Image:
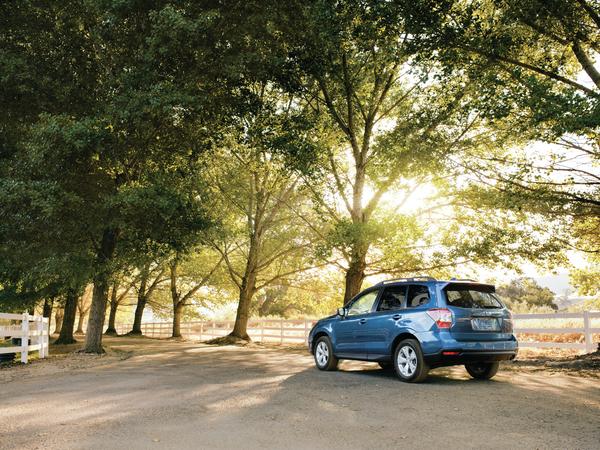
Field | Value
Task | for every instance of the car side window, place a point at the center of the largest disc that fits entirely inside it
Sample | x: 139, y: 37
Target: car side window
x: 393, y: 297
x: 364, y: 304
x: 417, y: 295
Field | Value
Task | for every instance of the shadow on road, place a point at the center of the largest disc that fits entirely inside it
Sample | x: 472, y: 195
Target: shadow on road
x: 183, y: 395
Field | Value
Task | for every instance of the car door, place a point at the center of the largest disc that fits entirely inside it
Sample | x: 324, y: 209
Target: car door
x: 419, y: 299
x: 350, y: 339
x: 381, y: 327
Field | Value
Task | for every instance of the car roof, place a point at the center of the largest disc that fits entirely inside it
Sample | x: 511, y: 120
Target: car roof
x: 428, y: 280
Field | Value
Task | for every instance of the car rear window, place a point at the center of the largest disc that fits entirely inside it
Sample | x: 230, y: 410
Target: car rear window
x: 472, y: 296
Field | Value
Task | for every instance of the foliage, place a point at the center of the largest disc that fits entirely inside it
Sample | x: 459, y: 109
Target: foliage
x: 526, y: 292
x: 110, y: 163
x: 397, y: 122
x: 267, y: 231
x: 315, y: 293
x: 260, y: 150
x: 533, y: 65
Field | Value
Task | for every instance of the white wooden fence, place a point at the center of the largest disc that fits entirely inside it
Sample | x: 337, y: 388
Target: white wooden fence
x: 261, y: 330
x: 296, y: 331
x: 586, y: 331
x: 35, y: 327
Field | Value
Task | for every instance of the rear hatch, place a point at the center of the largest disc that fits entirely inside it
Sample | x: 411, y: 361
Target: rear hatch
x: 478, y: 313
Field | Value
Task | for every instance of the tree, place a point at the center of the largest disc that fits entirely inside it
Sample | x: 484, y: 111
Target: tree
x: 47, y: 308
x: 58, y: 320
x: 151, y: 275
x: 265, y: 242
x: 68, y: 321
x: 199, y: 268
x: 533, y: 63
x: 83, y: 307
x: 587, y: 235
x: 116, y: 299
x: 131, y: 126
x: 526, y: 291
x: 395, y: 121
x: 356, y: 70
x: 314, y: 293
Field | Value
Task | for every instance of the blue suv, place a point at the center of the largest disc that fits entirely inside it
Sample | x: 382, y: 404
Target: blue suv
x: 417, y: 324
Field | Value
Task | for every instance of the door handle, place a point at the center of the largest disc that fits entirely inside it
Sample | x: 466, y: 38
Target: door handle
x: 397, y: 316
x: 361, y: 321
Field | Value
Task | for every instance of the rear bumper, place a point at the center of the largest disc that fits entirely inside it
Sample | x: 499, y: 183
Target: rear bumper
x: 458, y: 356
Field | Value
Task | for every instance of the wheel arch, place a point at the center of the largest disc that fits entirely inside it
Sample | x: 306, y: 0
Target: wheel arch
x: 319, y: 334
x: 400, y: 338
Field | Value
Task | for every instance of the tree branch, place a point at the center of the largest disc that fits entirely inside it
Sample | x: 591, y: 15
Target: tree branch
x: 536, y: 69
x: 586, y: 63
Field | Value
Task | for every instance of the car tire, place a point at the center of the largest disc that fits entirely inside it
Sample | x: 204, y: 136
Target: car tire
x: 386, y: 365
x: 324, y: 357
x: 409, y: 363
x: 482, y: 370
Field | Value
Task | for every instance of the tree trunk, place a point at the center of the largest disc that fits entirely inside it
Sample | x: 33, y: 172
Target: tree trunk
x: 95, y: 326
x: 112, y: 316
x: 80, y: 323
x: 177, y: 314
x: 141, y: 304
x: 137, y: 316
x: 82, y: 309
x: 357, y: 265
x: 47, y: 310
x: 177, y: 303
x: 58, y: 319
x: 111, y: 330
x: 265, y: 308
x: 68, y: 323
x: 247, y: 291
x: 93, y: 341
x: 240, y: 329
x: 355, y: 274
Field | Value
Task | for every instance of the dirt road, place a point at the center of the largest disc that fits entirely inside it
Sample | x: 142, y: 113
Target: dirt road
x: 183, y: 395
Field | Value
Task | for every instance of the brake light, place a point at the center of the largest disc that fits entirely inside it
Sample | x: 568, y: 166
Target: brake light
x: 441, y: 316
x: 507, y: 324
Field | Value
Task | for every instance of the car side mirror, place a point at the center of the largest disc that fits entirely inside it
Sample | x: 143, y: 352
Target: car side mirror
x: 342, y: 312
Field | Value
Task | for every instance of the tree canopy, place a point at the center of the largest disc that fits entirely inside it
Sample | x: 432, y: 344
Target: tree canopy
x: 283, y: 154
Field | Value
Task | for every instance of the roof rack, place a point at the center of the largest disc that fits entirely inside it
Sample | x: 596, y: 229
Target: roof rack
x: 396, y: 280
x: 463, y: 279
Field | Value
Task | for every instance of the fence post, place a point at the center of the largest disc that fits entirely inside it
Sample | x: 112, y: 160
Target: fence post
x: 46, y: 326
x: 40, y: 338
x: 201, y: 328
x: 589, y: 343
x: 305, y: 331
x: 24, y: 337
x: 262, y: 331
x: 281, y: 326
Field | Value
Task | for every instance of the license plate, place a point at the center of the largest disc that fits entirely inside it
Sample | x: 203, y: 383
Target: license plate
x: 485, y: 324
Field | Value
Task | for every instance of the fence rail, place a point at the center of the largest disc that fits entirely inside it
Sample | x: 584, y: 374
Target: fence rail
x: 35, y: 327
x: 586, y: 332
x: 296, y: 331
x: 261, y: 330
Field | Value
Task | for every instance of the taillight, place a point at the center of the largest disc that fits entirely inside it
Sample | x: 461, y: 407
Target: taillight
x: 441, y: 316
x: 507, y: 323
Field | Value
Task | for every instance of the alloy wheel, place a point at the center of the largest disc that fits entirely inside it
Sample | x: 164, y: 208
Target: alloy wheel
x: 322, y: 353
x: 407, y: 361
